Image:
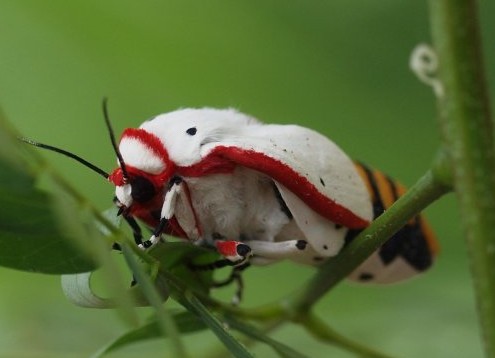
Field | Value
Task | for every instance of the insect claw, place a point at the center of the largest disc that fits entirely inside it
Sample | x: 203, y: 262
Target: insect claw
x: 154, y: 239
x: 236, y: 300
x: 145, y: 245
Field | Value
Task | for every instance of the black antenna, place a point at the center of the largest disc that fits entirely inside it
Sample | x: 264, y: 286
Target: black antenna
x: 67, y: 154
x: 114, y: 142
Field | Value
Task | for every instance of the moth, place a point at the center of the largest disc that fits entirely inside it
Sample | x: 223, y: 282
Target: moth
x: 256, y: 193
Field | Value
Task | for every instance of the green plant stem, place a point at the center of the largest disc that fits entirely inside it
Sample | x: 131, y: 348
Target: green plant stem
x: 165, y: 321
x: 464, y: 113
x: 322, y: 331
x: 423, y: 193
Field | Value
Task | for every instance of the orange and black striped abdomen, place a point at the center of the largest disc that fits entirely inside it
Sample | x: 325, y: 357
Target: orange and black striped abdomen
x: 409, y: 251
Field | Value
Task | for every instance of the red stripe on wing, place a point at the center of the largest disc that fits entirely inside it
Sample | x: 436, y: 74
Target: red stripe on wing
x: 283, y: 174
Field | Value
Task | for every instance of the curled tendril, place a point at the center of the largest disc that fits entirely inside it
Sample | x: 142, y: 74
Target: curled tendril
x: 424, y: 63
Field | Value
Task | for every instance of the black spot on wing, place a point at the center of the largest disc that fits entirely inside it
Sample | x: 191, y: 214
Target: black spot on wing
x: 192, y: 131
x: 410, y: 244
x: 301, y: 244
x: 378, y: 206
x: 365, y: 277
x: 322, y: 182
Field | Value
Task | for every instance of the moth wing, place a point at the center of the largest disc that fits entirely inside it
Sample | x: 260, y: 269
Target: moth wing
x: 324, y: 236
x: 316, y: 179
x: 373, y: 270
x: 411, y: 251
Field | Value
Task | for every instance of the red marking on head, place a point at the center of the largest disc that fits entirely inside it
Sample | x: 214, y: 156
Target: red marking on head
x: 117, y: 177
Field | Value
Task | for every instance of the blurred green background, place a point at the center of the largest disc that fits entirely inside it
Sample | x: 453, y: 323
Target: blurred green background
x: 340, y: 67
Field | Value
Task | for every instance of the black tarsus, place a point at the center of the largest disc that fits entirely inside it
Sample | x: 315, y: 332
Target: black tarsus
x: 156, y: 233
x: 212, y: 265
x: 235, y: 275
x: 160, y: 227
x: 136, y: 229
x: 67, y: 154
x: 112, y: 139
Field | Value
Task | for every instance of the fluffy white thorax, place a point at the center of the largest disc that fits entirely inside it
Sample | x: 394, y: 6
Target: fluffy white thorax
x: 138, y: 155
x: 241, y: 204
x: 211, y: 125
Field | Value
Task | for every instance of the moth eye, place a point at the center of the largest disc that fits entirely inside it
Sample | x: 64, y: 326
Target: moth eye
x: 192, y: 131
x: 143, y: 190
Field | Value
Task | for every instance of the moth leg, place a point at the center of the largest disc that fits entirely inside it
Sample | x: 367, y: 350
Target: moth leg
x: 156, y: 234
x: 235, y: 251
x: 274, y: 251
x: 173, y: 190
x: 235, y: 276
x: 236, y: 254
x: 136, y: 229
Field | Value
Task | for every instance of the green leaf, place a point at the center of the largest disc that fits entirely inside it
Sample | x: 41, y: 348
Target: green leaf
x: 171, y: 256
x: 185, y: 322
x: 175, y: 257
x: 77, y: 289
x: 30, y: 238
x: 220, y: 329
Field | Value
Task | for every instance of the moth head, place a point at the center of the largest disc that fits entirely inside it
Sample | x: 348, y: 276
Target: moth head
x: 143, y: 165
x: 144, y: 168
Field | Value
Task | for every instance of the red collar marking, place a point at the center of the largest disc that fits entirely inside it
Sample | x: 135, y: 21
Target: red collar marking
x: 211, y: 164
